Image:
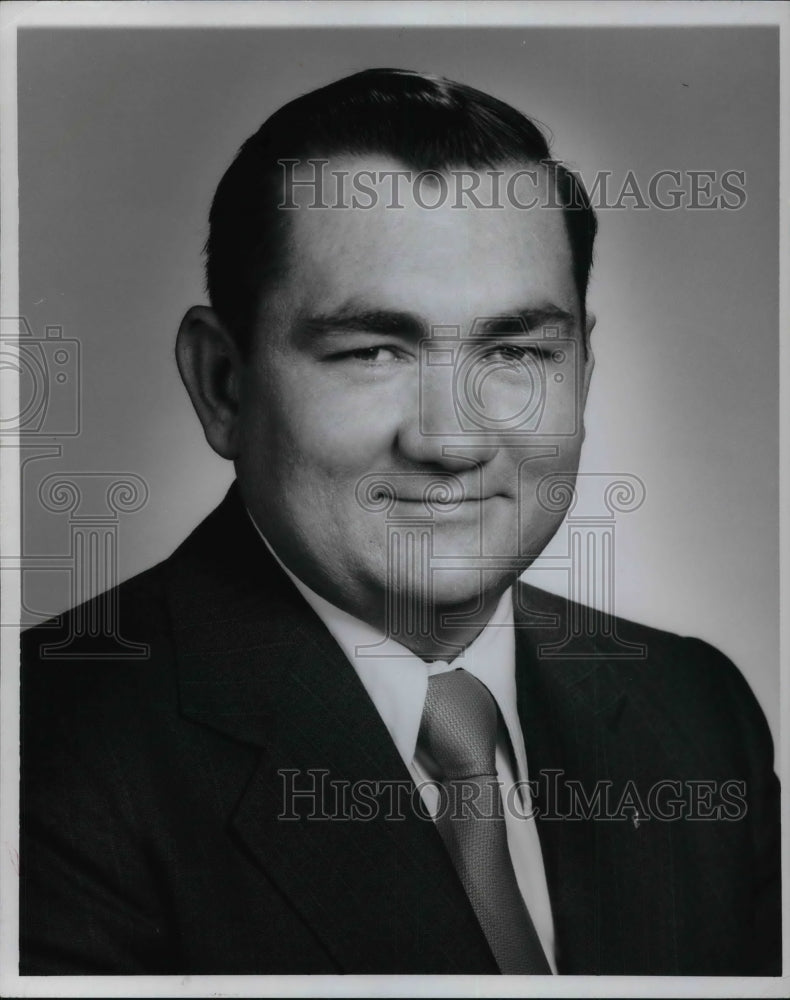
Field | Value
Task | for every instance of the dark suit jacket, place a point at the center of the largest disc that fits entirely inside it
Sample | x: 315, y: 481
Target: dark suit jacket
x: 151, y: 792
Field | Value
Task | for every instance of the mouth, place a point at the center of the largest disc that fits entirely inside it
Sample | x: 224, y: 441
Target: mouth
x: 444, y: 506
x: 424, y: 493
x: 444, y: 501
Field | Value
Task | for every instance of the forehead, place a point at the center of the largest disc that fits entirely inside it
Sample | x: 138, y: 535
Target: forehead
x: 456, y: 259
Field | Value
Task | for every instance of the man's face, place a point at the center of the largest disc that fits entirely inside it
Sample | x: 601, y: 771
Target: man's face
x: 353, y: 403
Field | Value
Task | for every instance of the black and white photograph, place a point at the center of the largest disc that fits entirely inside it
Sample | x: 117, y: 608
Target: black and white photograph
x: 392, y: 483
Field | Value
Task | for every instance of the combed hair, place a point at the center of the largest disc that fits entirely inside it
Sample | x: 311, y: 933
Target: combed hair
x: 425, y: 122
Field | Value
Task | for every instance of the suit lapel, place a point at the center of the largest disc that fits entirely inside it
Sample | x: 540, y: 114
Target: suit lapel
x: 546, y: 694
x: 257, y: 665
x: 584, y: 724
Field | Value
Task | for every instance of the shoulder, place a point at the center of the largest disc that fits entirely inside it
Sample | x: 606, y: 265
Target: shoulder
x: 93, y: 669
x: 682, y: 684
x: 121, y: 633
x: 110, y: 669
x: 139, y: 599
x: 109, y: 627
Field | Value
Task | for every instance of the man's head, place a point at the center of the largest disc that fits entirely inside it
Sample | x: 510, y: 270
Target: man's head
x: 316, y: 369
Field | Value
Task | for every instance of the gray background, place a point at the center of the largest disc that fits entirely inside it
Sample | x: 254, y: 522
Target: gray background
x: 123, y: 135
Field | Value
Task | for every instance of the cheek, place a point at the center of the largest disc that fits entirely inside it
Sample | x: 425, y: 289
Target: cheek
x: 563, y: 409
x: 545, y: 483
x: 316, y: 427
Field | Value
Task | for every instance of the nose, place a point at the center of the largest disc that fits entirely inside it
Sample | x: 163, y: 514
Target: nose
x: 431, y: 433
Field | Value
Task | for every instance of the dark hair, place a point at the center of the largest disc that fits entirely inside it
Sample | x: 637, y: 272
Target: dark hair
x: 426, y: 122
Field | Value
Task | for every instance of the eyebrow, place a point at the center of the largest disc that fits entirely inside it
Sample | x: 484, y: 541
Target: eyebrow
x: 386, y: 322
x: 353, y: 320
x: 523, y: 320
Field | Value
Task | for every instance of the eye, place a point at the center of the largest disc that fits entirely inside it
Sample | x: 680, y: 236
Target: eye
x: 513, y: 352
x: 371, y: 355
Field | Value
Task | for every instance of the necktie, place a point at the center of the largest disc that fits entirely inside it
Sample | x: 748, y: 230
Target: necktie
x: 458, y: 732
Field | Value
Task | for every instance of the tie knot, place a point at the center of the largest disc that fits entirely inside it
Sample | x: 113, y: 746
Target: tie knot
x: 459, y: 724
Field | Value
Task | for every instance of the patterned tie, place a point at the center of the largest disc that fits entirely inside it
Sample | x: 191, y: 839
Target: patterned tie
x: 458, y: 731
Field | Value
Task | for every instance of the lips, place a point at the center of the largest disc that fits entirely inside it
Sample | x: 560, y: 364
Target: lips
x: 441, y: 501
x: 421, y: 494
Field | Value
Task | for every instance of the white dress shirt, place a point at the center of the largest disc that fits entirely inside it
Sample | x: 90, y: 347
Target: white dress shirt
x: 397, y: 682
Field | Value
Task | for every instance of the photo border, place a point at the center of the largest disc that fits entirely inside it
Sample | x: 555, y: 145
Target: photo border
x: 163, y: 15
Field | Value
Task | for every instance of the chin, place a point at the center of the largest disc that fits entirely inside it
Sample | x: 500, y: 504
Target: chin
x: 440, y: 568
x: 461, y: 588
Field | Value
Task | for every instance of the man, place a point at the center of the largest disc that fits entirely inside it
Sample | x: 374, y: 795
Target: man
x: 358, y: 744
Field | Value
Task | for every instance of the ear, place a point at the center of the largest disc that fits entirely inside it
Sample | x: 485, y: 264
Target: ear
x: 589, y: 365
x: 210, y: 366
x: 590, y: 357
